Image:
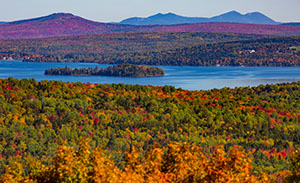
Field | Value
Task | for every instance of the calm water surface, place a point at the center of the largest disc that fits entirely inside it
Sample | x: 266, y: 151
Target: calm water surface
x: 187, y: 77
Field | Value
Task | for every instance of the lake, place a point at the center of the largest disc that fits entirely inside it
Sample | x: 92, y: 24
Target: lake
x: 186, y: 77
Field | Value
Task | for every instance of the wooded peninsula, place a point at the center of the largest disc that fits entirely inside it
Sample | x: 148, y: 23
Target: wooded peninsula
x: 122, y: 70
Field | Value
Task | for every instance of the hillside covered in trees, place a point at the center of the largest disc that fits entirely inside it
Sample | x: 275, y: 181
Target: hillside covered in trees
x: 193, y: 49
x: 283, y: 51
x: 261, y: 52
x: 122, y: 70
x: 100, y: 47
x: 148, y: 133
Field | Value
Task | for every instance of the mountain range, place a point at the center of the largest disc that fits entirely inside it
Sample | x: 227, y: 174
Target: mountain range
x: 66, y: 24
x: 171, y: 19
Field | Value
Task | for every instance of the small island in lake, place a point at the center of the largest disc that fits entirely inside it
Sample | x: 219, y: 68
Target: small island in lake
x: 122, y: 70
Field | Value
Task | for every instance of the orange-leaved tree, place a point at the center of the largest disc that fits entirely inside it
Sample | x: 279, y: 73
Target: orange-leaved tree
x: 179, y: 163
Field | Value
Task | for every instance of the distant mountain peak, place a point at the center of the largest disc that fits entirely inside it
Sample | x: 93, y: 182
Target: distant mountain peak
x: 164, y: 15
x: 171, y: 19
x: 61, y: 14
x: 170, y: 13
x: 233, y: 12
x: 254, y: 13
x: 45, y: 18
x: 58, y: 15
x: 156, y: 15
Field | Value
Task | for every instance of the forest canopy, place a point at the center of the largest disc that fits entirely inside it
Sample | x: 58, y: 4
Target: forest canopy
x: 44, y: 121
x: 121, y: 70
x: 201, y: 49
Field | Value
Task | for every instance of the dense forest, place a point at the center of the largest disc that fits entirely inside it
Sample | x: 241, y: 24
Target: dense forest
x: 108, y: 48
x: 194, y: 49
x: 121, y: 70
x: 260, y: 52
x: 51, y: 130
x: 112, y: 43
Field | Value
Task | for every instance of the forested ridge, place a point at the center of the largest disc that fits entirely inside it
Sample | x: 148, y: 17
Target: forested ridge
x: 260, y: 52
x: 282, y: 51
x: 108, y: 48
x: 121, y: 70
x: 192, y: 49
x: 108, y: 44
x: 85, y: 132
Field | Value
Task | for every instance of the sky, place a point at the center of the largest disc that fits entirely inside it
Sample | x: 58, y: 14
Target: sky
x: 117, y: 10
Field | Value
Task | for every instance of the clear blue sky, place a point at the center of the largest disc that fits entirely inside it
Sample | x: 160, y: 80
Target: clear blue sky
x: 116, y: 10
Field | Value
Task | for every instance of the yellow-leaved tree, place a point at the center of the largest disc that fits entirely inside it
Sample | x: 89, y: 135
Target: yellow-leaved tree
x: 180, y: 163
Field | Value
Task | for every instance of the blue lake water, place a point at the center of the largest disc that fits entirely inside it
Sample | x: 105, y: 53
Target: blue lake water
x: 187, y: 77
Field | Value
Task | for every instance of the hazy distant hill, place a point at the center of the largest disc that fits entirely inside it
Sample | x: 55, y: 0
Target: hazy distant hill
x: 65, y: 24
x: 171, y: 19
x: 2, y: 22
x: 292, y: 24
x: 163, y: 19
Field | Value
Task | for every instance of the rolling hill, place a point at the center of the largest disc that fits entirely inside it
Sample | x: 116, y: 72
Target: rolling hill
x: 113, y: 44
x: 171, y: 19
x: 64, y: 24
x: 183, y: 49
x: 57, y: 24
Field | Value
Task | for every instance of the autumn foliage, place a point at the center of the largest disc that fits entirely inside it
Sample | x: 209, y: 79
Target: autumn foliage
x: 180, y: 163
x: 189, y: 48
x: 147, y: 133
